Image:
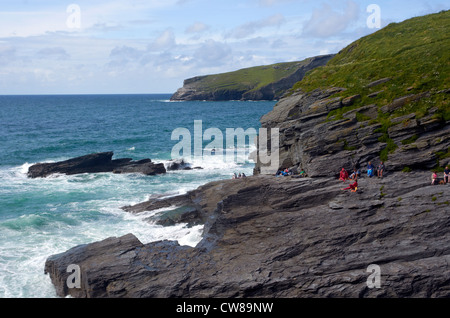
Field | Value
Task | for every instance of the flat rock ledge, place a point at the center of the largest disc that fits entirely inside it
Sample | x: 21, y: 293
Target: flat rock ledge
x: 95, y: 163
x: 267, y: 236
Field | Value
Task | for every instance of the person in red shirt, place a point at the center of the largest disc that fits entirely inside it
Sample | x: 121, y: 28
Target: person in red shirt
x: 352, y: 187
x: 343, y: 175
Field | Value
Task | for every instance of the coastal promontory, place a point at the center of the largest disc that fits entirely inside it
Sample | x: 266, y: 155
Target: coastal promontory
x: 268, y: 82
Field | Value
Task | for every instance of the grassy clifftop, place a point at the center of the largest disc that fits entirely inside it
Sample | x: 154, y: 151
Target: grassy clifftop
x: 266, y: 82
x: 414, y: 55
x: 249, y: 79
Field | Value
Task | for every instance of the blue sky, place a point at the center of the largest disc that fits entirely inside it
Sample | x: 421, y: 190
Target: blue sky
x: 151, y: 46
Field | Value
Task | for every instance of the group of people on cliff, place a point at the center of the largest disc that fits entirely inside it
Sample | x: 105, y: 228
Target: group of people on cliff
x: 344, y: 175
x: 240, y: 176
x: 290, y: 172
x: 446, y: 179
x: 372, y: 171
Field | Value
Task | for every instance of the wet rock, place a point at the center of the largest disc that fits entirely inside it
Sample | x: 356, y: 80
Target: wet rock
x: 95, y: 163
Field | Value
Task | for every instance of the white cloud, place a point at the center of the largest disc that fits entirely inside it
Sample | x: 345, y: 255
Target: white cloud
x: 53, y: 53
x: 268, y: 3
x: 250, y: 28
x: 164, y: 41
x: 7, y: 54
x: 327, y: 21
x: 197, y: 27
x: 212, y: 53
x: 125, y: 52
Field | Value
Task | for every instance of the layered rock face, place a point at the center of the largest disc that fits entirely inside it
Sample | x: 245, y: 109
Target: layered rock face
x: 268, y: 236
x: 94, y: 163
x: 320, y: 144
x: 203, y: 87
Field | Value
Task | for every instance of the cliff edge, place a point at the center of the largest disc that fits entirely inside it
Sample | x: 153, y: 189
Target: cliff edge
x: 267, y: 82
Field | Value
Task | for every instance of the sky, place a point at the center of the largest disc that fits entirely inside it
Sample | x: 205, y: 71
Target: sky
x: 151, y: 46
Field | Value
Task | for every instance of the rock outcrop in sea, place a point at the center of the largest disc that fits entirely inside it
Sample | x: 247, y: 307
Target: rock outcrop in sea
x: 94, y: 163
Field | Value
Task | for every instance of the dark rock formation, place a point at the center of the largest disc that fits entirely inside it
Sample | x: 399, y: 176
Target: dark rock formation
x: 97, y: 162
x: 179, y: 164
x: 321, y: 144
x: 267, y: 236
x: 202, y: 87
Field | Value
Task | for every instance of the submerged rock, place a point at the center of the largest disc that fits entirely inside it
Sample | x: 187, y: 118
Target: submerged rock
x: 267, y: 236
x: 94, y: 163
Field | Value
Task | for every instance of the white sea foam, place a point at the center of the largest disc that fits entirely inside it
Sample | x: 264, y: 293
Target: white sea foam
x: 63, y: 211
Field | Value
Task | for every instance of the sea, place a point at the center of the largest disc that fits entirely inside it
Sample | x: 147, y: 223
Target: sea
x: 46, y: 216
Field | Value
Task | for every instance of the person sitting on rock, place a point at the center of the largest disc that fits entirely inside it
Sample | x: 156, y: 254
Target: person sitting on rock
x: 380, y: 170
x: 434, y: 178
x: 370, y: 169
x: 355, y: 174
x: 446, y: 175
x: 352, y: 187
x: 343, y: 175
x: 303, y: 173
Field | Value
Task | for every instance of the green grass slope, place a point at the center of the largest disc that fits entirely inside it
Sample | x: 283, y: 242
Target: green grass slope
x: 249, y: 79
x: 414, y: 54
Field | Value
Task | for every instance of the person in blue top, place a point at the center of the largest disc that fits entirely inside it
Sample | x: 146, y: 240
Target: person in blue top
x: 370, y: 170
x: 446, y: 175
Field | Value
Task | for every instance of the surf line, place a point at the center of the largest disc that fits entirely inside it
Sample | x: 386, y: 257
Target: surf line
x: 267, y: 152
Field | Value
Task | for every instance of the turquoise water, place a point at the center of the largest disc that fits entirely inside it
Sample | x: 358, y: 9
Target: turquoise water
x: 41, y: 217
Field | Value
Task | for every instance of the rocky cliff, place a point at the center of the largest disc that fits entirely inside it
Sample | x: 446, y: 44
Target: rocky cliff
x: 267, y: 236
x: 384, y: 98
x: 312, y: 140
x: 258, y: 83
